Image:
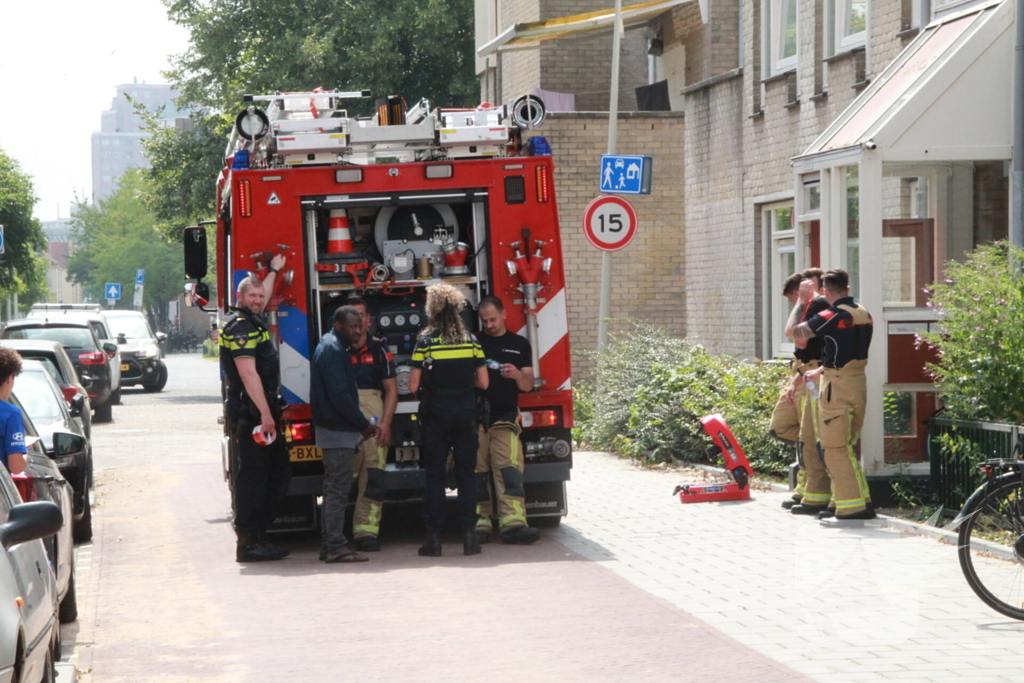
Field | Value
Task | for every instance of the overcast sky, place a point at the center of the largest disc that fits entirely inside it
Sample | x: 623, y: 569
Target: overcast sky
x: 59, y: 64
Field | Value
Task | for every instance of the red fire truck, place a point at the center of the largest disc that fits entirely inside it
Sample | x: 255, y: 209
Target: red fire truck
x: 382, y: 207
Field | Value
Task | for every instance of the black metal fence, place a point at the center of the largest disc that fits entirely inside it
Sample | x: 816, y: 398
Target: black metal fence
x: 955, y: 447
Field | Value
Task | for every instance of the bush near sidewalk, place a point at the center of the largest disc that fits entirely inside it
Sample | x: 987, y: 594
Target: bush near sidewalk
x: 980, y: 306
x: 648, y: 391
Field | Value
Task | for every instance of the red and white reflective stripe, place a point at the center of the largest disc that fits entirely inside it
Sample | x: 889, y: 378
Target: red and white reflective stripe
x: 552, y: 341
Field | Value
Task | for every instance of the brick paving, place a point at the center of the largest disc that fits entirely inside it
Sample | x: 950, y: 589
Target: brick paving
x: 163, y: 599
x: 870, y: 604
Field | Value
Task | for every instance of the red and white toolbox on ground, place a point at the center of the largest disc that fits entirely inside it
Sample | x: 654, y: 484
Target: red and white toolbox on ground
x: 735, y: 463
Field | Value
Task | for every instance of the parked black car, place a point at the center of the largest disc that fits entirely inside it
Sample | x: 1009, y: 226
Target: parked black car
x: 141, y: 355
x: 90, y: 358
x: 43, y: 403
x: 56, y: 360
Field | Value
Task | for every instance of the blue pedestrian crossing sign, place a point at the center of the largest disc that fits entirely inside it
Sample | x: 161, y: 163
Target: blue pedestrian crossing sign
x: 112, y: 290
x: 626, y: 174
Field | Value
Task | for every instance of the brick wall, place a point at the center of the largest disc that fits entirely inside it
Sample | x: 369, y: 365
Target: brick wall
x: 649, y: 274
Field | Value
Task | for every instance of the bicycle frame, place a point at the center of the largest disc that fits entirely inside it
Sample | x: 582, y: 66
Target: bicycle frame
x: 997, y: 472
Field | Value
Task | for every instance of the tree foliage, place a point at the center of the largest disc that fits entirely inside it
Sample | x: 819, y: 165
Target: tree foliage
x: 416, y: 48
x: 980, y: 305
x: 23, y: 235
x: 116, y: 237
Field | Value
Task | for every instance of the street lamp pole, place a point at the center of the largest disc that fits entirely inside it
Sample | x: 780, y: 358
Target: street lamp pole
x: 613, y: 122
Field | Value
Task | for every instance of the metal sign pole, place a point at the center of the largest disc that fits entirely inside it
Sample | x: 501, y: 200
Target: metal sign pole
x: 604, y: 312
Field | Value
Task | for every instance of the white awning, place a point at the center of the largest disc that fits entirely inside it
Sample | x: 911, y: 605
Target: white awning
x: 945, y: 97
x: 520, y: 35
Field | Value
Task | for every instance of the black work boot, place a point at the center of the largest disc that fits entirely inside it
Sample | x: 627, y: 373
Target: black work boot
x: 264, y: 540
x: 483, y: 536
x: 470, y: 546
x: 249, y: 549
x: 812, y: 510
x: 432, y: 546
x: 367, y: 544
x: 520, y: 535
x: 788, y: 504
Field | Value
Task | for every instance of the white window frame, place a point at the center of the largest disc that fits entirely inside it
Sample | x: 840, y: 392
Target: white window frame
x: 776, y: 252
x: 840, y: 12
x: 772, y: 31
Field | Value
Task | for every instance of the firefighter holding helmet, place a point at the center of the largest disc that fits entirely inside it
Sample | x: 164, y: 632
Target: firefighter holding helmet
x: 252, y: 375
x: 845, y: 328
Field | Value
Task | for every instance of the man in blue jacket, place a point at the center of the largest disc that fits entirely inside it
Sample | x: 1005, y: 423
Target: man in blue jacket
x: 340, y: 427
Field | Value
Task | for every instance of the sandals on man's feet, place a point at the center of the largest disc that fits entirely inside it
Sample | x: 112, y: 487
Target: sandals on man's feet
x: 346, y: 557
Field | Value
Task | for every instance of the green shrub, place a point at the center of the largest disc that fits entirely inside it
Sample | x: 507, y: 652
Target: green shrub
x: 210, y: 349
x: 981, y: 305
x: 655, y: 389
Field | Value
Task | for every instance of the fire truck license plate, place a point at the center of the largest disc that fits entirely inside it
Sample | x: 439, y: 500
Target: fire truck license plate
x: 303, y: 453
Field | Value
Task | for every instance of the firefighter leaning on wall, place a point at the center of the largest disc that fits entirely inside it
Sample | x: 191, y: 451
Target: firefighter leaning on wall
x: 374, y: 370
x: 500, y: 458
x: 845, y: 328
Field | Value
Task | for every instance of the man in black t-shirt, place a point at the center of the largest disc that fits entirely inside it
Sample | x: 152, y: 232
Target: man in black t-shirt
x: 500, y: 457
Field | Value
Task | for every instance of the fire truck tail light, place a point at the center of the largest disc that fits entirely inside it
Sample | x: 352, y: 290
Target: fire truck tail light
x: 543, y: 190
x: 439, y: 171
x: 539, y: 418
x: 245, y: 198
x: 348, y: 175
x: 298, y: 431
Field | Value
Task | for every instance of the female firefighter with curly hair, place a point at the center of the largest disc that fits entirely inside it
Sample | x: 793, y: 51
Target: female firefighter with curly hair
x: 447, y: 366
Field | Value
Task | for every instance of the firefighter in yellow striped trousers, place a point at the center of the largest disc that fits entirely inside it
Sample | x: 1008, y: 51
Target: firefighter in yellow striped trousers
x: 374, y: 370
x: 500, y: 456
x: 846, y: 329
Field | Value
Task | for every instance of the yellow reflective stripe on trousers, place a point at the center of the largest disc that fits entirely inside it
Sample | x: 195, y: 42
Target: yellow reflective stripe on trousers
x: 816, y: 498
x: 518, y: 516
x: 513, y: 455
x: 858, y: 471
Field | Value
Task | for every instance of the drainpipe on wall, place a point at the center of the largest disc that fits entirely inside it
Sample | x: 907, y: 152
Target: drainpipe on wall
x: 1017, y: 191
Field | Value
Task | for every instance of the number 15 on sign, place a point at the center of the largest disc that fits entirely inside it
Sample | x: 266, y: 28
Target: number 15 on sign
x: 609, y: 222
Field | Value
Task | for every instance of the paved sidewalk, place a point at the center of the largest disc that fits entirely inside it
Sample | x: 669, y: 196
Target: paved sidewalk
x: 869, y: 604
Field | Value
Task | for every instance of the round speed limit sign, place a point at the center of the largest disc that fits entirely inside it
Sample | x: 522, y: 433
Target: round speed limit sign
x: 609, y: 222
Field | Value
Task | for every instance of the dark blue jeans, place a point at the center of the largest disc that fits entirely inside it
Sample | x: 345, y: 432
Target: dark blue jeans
x: 449, y: 425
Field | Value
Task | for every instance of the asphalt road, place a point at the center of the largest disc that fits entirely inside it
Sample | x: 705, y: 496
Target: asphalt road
x: 161, y: 597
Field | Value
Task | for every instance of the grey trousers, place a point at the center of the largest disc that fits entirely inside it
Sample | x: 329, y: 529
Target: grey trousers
x: 337, y: 485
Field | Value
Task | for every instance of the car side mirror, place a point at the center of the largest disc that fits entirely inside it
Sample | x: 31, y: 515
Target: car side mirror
x: 77, y: 406
x: 161, y: 337
x: 195, y: 253
x: 67, y: 444
x: 30, y: 521
x: 122, y: 338
x: 110, y: 348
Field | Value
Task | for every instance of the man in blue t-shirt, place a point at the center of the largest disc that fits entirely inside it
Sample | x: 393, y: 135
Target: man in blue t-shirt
x: 12, y: 427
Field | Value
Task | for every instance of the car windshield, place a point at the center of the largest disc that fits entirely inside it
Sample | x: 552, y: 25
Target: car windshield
x: 130, y: 326
x: 37, y: 397
x: 80, y: 337
x: 48, y: 362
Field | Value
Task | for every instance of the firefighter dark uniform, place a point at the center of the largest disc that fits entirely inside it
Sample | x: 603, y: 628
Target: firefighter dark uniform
x: 500, y: 457
x: 371, y: 364
x: 263, y: 473
x: 448, y: 417
x: 845, y: 330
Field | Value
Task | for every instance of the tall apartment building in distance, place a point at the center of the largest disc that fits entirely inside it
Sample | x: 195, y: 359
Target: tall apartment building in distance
x: 118, y: 144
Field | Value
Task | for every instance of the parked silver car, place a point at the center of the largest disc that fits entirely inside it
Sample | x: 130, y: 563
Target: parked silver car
x: 29, y: 630
x: 141, y: 355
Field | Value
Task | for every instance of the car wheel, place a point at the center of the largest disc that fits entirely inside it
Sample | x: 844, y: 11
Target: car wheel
x: 82, y: 530
x: 105, y: 412
x: 161, y: 380
x: 68, y: 611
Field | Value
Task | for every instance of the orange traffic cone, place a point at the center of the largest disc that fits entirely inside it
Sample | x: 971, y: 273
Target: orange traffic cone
x: 339, y: 237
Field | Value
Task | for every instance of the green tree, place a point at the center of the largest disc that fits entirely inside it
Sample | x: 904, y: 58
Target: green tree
x: 417, y: 48
x: 23, y: 235
x: 119, y: 235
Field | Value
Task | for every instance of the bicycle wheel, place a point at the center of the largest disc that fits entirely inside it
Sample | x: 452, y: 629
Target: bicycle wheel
x: 991, y: 547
